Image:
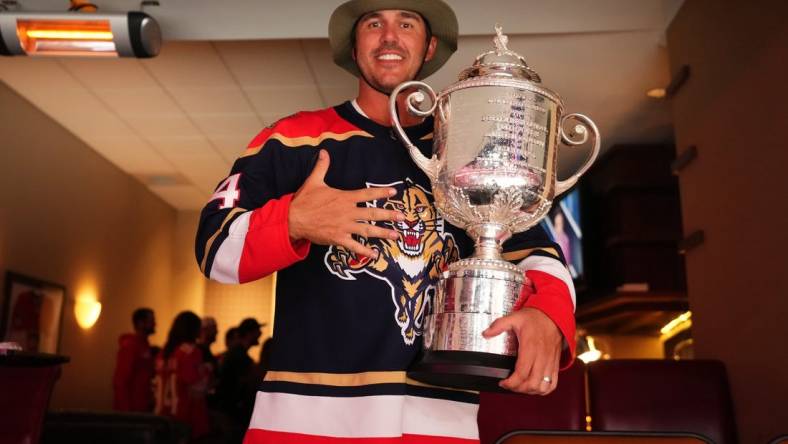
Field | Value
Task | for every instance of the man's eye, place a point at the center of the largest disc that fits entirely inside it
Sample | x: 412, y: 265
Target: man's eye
x: 373, y: 25
x: 407, y: 25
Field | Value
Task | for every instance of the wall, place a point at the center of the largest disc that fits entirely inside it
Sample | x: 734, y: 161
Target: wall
x: 68, y: 216
x: 188, y: 283
x: 733, y: 108
x: 630, y: 346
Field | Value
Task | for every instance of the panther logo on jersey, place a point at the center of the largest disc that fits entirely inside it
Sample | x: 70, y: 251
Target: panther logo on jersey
x: 411, y: 264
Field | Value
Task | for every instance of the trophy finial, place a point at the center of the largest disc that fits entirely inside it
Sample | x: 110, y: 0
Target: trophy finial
x: 501, y: 40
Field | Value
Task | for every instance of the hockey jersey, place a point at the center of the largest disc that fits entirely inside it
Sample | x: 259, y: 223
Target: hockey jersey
x: 346, y: 326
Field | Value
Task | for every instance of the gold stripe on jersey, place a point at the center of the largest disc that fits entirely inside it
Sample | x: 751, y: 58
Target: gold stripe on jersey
x: 338, y: 379
x: 211, y: 239
x: 522, y: 254
x: 293, y: 142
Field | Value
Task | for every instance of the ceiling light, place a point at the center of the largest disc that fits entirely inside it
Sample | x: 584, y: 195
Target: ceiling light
x: 127, y: 34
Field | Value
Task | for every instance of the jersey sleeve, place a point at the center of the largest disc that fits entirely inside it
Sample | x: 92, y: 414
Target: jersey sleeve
x: 552, y: 289
x: 243, y: 233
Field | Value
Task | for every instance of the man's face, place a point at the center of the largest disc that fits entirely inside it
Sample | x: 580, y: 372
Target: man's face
x: 391, y: 46
x: 209, y: 333
x: 251, y: 338
x: 149, y: 324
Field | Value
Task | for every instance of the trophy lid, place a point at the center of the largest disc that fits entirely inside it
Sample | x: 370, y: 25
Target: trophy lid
x: 501, y: 62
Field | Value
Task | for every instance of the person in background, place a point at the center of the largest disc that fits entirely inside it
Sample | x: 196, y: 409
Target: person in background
x: 207, y: 337
x: 134, y: 365
x: 238, y: 378
x: 230, y: 341
x: 181, y: 381
x: 210, y: 362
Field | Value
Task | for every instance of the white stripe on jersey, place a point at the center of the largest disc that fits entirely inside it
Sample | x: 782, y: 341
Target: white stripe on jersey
x: 553, y: 267
x: 439, y: 417
x: 228, y: 256
x: 377, y: 416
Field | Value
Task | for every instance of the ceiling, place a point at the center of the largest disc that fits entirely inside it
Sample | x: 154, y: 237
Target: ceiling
x: 178, y: 121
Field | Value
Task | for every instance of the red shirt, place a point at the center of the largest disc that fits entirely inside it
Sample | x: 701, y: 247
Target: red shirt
x: 180, y: 388
x: 133, y: 374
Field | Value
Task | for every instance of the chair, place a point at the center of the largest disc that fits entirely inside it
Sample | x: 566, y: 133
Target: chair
x: 662, y: 396
x: 550, y: 437
x: 83, y: 426
x: 564, y: 409
x: 26, y: 383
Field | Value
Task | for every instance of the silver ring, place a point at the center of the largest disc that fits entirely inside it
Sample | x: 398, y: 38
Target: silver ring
x: 547, y: 379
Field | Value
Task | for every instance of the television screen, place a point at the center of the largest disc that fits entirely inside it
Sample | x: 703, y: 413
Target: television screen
x: 563, y: 225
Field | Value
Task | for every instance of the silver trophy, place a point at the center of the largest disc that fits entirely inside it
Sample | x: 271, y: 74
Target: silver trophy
x: 493, y: 173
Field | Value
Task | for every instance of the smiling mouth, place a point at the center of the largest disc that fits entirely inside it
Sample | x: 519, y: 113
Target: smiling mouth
x: 390, y: 57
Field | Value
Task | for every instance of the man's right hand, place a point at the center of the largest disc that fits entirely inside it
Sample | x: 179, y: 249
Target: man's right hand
x: 328, y: 216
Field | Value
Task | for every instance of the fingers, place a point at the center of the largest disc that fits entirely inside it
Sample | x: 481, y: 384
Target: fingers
x: 377, y: 214
x: 522, y: 370
x: 318, y: 174
x: 369, y: 231
x: 499, y: 326
x: 359, y: 248
x: 374, y: 193
x: 538, y: 354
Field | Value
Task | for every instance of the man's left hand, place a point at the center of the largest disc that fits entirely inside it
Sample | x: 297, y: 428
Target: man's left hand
x: 538, y: 354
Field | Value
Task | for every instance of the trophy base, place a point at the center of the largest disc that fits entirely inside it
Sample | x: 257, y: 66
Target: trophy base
x: 462, y: 369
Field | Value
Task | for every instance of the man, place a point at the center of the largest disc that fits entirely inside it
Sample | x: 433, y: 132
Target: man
x: 230, y: 341
x: 238, y: 376
x: 134, y: 368
x: 333, y: 202
x: 207, y: 337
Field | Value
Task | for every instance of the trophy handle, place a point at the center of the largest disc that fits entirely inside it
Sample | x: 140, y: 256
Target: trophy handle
x: 429, y: 166
x: 581, y: 129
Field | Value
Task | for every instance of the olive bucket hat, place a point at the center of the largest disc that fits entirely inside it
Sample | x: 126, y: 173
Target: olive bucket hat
x: 439, y: 15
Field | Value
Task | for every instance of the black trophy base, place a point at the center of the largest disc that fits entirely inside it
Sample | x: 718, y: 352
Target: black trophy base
x: 462, y: 369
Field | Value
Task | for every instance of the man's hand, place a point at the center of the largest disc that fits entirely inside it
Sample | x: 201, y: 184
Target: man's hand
x: 327, y: 216
x: 538, y: 353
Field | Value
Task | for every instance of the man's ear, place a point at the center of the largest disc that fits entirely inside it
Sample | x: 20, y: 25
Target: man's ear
x: 431, y: 49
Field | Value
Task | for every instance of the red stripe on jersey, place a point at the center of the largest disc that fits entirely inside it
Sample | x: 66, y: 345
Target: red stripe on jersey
x: 259, y: 436
x: 305, y: 124
x: 267, y: 247
x: 551, y: 296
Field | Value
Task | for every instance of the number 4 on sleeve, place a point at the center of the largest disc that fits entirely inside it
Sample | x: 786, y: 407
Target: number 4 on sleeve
x: 228, y: 192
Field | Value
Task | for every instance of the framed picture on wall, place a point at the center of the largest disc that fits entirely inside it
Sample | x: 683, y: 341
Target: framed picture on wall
x: 32, y: 313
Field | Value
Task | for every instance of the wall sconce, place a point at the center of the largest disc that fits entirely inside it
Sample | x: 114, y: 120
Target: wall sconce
x: 87, y: 310
x: 678, y: 80
x: 677, y: 325
x: 586, y: 349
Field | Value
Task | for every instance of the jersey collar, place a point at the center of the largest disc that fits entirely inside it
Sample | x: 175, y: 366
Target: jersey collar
x: 349, y: 112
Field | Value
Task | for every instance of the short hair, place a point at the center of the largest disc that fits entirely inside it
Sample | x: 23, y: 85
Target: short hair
x: 230, y: 334
x: 208, y: 321
x: 140, y: 315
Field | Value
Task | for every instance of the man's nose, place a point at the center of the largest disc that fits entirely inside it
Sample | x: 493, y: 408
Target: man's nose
x: 389, y: 34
